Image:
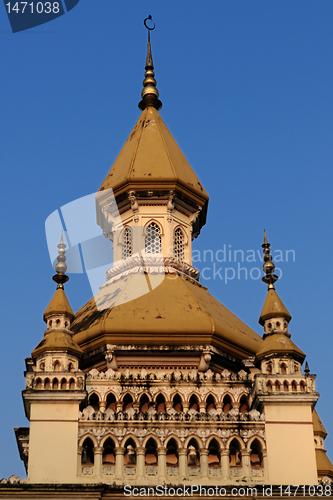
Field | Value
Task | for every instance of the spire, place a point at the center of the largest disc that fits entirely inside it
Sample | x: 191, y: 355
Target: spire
x: 59, y: 303
x: 268, y: 266
x: 149, y: 92
x: 273, y: 306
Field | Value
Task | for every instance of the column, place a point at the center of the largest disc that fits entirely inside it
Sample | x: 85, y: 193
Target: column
x: 225, y: 464
x: 265, y: 464
x: 119, y: 469
x: 203, y: 462
x: 140, y: 462
x: 79, y: 457
x: 162, y: 471
x: 98, y: 461
x: 182, y: 463
x: 246, y: 465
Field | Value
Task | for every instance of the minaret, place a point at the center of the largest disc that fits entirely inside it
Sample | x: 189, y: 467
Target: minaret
x: 54, y: 390
x: 151, y: 202
x: 283, y: 393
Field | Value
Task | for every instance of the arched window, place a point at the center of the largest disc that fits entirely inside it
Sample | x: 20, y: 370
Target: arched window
x: 87, y: 456
x: 127, y: 243
x: 151, y: 452
x: 178, y: 244
x: 72, y: 384
x: 127, y: 402
x: 153, y: 238
x: 235, y: 456
x: 55, y: 384
x: 130, y: 453
x: 210, y: 403
x: 285, y: 386
x: 144, y: 403
x: 294, y: 386
x: 302, y: 386
x: 269, y: 368
x: 57, y: 366
x: 63, y: 384
x: 243, y: 404
x: 214, y: 454
x: 160, y: 403
x: 108, y: 457
x: 47, y: 384
x: 111, y: 401
x: 38, y: 383
x: 277, y: 386
x: 71, y: 367
x: 283, y: 369
x: 194, y: 403
x: 193, y: 456
x: 177, y: 403
x: 269, y: 386
x: 256, y: 454
x: 94, y: 401
x: 172, y: 454
x: 226, y: 403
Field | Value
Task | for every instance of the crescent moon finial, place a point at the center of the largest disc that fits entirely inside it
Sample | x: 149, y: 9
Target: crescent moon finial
x: 149, y: 18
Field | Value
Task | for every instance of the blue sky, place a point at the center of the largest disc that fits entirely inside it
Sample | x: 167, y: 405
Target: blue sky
x: 246, y: 88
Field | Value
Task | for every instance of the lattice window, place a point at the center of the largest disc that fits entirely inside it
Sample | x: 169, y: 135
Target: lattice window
x: 178, y: 244
x: 153, y: 238
x: 127, y: 247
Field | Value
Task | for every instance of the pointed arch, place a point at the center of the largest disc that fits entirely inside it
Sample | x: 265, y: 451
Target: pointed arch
x: 126, y: 242
x: 127, y: 401
x: 109, y: 454
x: 177, y: 403
x: 160, y: 403
x: 227, y: 403
x: 130, y: 445
x: 93, y: 400
x: 153, y: 241
x: 72, y: 384
x: 210, y: 402
x: 151, y: 456
x: 193, y: 455
x: 87, y: 454
x: 144, y: 401
x: 235, y: 454
x: 194, y: 402
x: 111, y: 401
x: 256, y: 456
x: 178, y: 243
x: 214, y: 453
x: 243, y: 404
x: 172, y: 456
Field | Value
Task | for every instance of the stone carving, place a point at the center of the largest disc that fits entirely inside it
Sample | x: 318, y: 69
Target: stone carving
x: 93, y: 373
x: 225, y: 375
x: 242, y: 375
x: 151, y: 413
x: 130, y: 413
x: 151, y: 470
x: 109, y: 415
x: 213, y: 414
x: 254, y: 415
x: 326, y: 481
x: 233, y: 414
x: 192, y: 415
x: 88, y: 413
x: 172, y: 413
x: 108, y: 469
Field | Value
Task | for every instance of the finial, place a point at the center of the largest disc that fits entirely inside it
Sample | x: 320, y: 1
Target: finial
x: 307, y: 369
x: 60, y: 266
x: 149, y: 92
x: 268, y: 266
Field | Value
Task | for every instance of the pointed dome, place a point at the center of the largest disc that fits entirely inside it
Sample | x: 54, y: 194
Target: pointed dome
x: 273, y: 307
x: 151, y: 158
x: 59, y: 305
x: 318, y: 426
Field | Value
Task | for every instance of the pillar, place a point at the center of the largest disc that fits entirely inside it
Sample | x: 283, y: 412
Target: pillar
x: 225, y: 464
x: 162, y: 471
x: 140, y: 462
x: 98, y: 461
x: 119, y: 468
x: 203, y: 462
x: 182, y: 453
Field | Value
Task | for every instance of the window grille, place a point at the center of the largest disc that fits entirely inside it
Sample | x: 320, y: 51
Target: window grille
x: 178, y: 244
x: 127, y: 243
x: 153, y: 239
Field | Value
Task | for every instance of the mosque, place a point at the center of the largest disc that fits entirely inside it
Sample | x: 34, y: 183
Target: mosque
x: 153, y: 382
